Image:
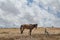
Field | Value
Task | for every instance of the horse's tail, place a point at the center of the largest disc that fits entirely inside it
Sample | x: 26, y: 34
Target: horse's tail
x: 21, y: 29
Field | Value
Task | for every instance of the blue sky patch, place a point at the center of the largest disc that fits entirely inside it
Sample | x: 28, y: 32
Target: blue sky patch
x: 29, y: 2
x: 58, y: 14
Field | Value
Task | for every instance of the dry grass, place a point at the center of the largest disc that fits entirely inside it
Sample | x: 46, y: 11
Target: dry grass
x: 37, y: 34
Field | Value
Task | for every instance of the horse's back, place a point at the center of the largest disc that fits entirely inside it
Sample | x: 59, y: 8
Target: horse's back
x: 27, y: 26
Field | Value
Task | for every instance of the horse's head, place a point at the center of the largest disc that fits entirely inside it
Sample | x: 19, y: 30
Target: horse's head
x: 35, y: 25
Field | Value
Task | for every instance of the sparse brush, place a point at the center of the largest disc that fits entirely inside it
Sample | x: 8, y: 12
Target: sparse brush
x: 39, y: 34
x: 4, y: 33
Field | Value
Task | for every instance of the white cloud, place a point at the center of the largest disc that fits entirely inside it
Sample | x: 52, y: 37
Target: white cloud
x: 22, y: 13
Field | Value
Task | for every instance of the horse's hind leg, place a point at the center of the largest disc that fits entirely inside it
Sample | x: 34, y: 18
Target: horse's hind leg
x: 22, y: 31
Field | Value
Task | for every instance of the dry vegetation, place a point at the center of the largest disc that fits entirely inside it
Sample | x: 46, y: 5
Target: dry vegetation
x: 37, y: 34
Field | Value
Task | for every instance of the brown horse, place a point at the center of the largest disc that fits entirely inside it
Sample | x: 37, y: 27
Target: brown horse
x: 28, y: 26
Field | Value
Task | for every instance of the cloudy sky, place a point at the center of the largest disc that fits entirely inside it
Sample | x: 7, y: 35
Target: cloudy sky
x: 45, y: 13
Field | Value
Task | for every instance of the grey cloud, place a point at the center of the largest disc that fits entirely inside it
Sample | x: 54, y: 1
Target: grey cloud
x: 9, y: 7
x: 29, y: 18
x: 10, y: 12
x: 6, y: 23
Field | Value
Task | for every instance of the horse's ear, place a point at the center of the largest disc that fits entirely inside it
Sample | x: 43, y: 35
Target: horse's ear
x: 36, y: 24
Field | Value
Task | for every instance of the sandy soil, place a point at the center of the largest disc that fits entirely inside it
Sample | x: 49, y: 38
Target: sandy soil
x: 37, y: 34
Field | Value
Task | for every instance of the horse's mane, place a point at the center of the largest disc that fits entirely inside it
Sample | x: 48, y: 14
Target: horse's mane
x: 34, y: 25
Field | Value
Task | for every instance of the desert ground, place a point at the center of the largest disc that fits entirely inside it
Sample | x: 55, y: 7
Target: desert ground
x: 37, y: 34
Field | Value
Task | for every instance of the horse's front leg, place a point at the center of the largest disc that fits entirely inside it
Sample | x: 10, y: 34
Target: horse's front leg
x: 22, y: 31
x: 30, y: 31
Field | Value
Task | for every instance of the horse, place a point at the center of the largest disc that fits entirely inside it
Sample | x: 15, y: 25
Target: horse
x: 28, y: 26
